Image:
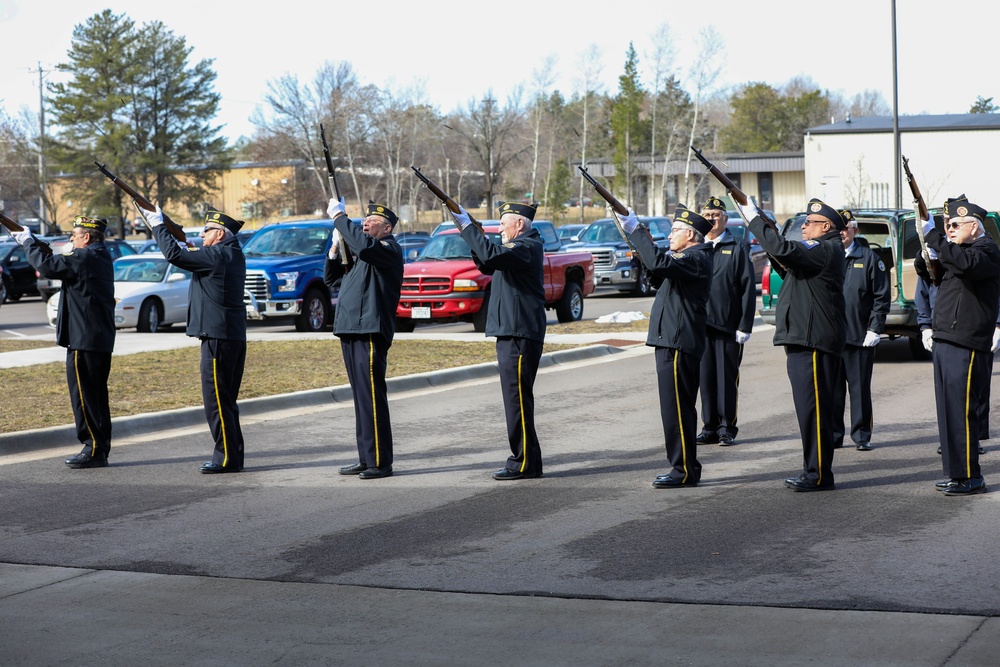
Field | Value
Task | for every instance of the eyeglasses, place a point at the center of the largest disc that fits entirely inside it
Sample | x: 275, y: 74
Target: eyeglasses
x: 956, y: 225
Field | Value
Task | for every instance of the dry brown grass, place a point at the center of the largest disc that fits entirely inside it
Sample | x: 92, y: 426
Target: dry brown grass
x: 14, y: 344
x: 589, y: 326
x: 154, y: 381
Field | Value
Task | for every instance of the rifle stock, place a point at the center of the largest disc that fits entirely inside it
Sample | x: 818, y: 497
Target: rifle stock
x: 346, y: 258
x: 141, y: 202
x: 440, y: 194
x: 12, y: 227
x: 934, y: 266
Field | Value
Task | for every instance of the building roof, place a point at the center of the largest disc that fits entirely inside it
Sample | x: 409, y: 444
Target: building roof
x: 729, y: 163
x: 924, y: 123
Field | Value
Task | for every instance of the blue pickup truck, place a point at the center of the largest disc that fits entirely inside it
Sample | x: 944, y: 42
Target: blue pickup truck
x: 285, y: 274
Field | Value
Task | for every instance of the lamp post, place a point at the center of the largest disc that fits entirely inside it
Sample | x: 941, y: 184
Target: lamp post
x: 897, y: 150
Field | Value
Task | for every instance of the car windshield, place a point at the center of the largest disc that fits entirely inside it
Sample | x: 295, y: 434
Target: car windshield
x: 147, y: 270
x: 277, y: 241
x: 451, y: 246
x: 602, y: 231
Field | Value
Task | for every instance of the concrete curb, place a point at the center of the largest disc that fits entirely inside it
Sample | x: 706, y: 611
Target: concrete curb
x: 136, y: 425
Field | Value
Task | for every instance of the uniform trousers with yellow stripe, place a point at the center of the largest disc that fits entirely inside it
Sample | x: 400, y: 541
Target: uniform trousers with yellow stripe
x: 814, y: 377
x: 221, y: 376
x: 720, y: 384
x: 87, y: 375
x: 858, y: 366
x: 678, y: 374
x: 961, y: 380
x: 365, y: 359
x: 517, y: 359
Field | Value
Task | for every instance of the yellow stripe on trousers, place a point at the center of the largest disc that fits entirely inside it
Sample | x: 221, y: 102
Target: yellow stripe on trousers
x: 524, y: 428
x: 83, y: 406
x: 819, y: 440
x: 218, y: 407
x: 968, y: 436
x: 371, y: 382
x: 680, y: 418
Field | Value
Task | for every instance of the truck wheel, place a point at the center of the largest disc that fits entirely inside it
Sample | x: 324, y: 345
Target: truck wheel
x: 405, y: 325
x: 315, y: 315
x: 642, y: 285
x: 479, y: 319
x: 150, y: 316
x: 570, y: 306
x: 917, y: 349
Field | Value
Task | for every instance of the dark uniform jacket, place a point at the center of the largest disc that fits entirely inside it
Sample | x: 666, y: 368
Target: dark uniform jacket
x: 866, y: 294
x: 369, y: 293
x: 517, y: 292
x: 679, y: 313
x: 733, y: 302
x: 965, y: 309
x: 86, y: 317
x: 811, y: 303
x: 218, y: 279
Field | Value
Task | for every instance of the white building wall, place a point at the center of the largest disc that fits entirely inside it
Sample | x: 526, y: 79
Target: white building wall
x: 944, y: 164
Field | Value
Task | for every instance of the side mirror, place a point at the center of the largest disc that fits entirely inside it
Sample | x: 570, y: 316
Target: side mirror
x: 412, y: 254
x: 174, y: 277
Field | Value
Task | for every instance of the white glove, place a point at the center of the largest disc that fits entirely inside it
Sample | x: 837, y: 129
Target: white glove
x: 742, y: 337
x: 932, y: 253
x: 336, y: 207
x: 152, y: 218
x: 996, y: 340
x: 927, y: 337
x: 181, y: 245
x: 749, y: 211
x: 927, y: 225
x: 22, y: 237
x: 629, y: 222
x: 871, y: 339
x: 335, y: 240
x: 461, y: 218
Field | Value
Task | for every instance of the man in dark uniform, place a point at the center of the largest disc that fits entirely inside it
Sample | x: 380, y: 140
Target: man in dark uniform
x: 866, y: 299
x: 811, y: 324
x: 85, y: 326
x: 677, y: 331
x: 218, y: 317
x: 365, y: 322
x: 964, y: 322
x: 731, y: 309
x: 516, y: 316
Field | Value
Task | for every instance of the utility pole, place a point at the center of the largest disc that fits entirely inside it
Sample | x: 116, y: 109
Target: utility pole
x: 45, y: 224
x: 897, y: 185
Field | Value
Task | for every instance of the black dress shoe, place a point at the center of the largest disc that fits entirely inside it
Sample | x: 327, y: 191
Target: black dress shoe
x: 505, y: 474
x: 669, y: 482
x: 726, y: 441
x: 706, y: 439
x: 965, y: 487
x: 210, y: 468
x: 864, y: 447
x: 804, y: 484
x: 375, y: 473
x: 940, y: 486
x: 352, y: 470
x: 87, y: 461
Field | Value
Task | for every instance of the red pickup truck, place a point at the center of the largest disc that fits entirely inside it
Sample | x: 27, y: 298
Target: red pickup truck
x: 444, y: 285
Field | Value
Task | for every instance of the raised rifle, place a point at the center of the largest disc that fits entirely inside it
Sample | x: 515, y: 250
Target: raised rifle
x: 141, y: 202
x: 616, y: 206
x: 448, y: 201
x: 934, y: 266
x: 346, y: 258
x: 12, y: 227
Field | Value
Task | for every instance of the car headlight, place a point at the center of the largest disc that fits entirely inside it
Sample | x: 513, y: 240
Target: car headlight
x: 463, y: 285
x: 623, y: 254
x: 286, y: 281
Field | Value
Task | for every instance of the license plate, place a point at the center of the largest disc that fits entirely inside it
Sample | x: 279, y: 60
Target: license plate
x: 420, y: 313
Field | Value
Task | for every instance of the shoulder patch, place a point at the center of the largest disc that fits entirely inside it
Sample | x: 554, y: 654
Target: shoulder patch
x: 811, y: 243
x: 881, y: 266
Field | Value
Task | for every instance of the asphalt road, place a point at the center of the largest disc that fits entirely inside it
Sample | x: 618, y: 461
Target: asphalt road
x: 289, y: 563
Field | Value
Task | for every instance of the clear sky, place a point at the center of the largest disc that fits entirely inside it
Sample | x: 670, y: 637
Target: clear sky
x: 455, y: 51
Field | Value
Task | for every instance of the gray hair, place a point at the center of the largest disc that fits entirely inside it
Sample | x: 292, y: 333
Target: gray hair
x: 698, y: 236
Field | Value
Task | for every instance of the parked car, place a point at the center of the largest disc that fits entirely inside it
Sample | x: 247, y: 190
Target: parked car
x: 614, y: 264
x: 570, y: 233
x: 412, y: 245
x: 150, y: 245
x: 3, y: 288
x: 891, y: 234
x: 444, y: 285
x: 49, y: 286
x: 18, y: 276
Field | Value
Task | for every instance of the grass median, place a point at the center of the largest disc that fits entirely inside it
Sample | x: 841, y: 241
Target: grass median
x: 155, y: 381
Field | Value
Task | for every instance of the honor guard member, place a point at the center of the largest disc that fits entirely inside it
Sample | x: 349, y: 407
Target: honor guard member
x: 964, y: 322
x: 732, y: 305
x: 365, y: 322
x: 217, y: 317
x: 516, y: 316
x: 85, y: 326
x: 866, y: 302
x: 810, y: 323
x: 677, y: 332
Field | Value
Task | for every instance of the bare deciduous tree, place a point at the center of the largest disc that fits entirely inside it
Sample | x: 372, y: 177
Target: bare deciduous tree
x: 704, y: 74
